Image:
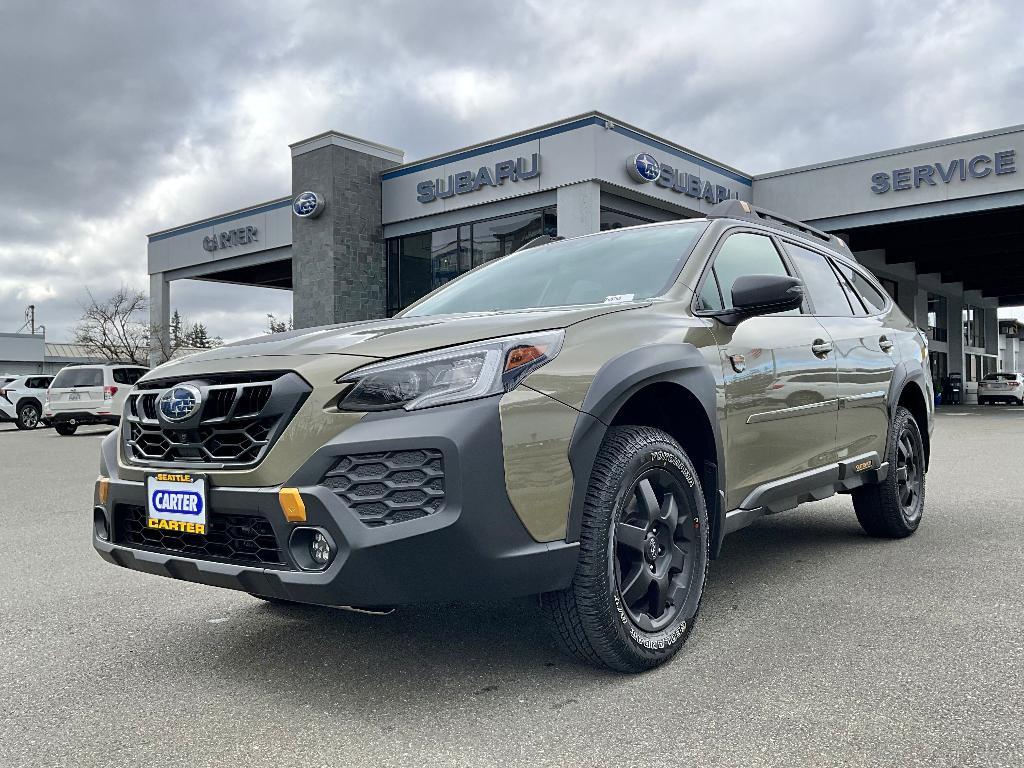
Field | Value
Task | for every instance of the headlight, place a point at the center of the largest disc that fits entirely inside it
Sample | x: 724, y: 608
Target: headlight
x: 449, y: 375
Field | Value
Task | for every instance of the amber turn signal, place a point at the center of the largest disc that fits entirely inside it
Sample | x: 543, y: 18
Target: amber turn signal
x: 103, y: 489
x: 292, y: 505
x: 520, y: 356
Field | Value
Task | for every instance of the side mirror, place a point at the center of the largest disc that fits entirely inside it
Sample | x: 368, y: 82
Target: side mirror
x: 754, y: 295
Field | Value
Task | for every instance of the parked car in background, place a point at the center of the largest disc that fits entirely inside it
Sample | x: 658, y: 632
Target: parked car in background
x: 21, y: 400
x: 1002, y: 387
x: 89, y: 394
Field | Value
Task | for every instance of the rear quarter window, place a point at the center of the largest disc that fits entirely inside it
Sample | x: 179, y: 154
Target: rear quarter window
x: 128, y: 375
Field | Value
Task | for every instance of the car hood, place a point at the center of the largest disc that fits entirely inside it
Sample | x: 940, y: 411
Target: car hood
x: 404, y: 335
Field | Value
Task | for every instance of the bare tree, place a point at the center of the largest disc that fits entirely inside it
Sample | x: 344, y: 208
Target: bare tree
x: 115, y: 328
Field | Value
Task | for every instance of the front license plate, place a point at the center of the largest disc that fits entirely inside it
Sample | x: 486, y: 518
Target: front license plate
x: 176, y: 501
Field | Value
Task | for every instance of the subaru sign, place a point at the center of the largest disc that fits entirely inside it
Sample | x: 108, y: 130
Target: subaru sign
x: 308, y: 205
x: 180, y: 403
x: 645, y: 167
x: 468, y: 181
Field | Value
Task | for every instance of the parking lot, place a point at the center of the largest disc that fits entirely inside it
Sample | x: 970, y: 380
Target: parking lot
x: 816, y: 646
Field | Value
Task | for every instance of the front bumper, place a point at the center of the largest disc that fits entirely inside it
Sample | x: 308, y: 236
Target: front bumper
x: 473, y: 547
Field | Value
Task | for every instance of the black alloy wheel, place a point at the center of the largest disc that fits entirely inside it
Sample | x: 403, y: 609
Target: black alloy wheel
x: 655, y: 550
x: 908, y: 474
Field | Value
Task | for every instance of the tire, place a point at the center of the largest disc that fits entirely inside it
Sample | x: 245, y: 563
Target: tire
x: 892, y: 509
x: 645, y: 527
x: 28, y: 416
x: 65, y: 429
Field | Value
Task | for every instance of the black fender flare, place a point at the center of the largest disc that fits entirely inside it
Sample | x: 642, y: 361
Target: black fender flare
x: 904, y: 373
x: 618, y: 380
x: 26, y: 400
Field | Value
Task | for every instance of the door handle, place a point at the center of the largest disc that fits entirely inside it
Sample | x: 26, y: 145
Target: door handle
x: 821, y: 348
x: 884, y: 344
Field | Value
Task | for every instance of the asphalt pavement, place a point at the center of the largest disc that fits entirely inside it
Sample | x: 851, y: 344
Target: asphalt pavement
x: 816, y: 646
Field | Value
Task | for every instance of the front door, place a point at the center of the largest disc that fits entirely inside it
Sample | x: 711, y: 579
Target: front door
x: 781, y: 390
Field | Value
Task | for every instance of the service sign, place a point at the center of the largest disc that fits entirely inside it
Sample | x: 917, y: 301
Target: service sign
x: 176, y: 501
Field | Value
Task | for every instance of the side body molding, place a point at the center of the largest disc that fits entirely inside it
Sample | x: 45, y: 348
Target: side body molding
x: 618, y: 380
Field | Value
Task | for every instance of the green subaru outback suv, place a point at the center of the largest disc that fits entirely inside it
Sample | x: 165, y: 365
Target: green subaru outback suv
x: 584, y: 420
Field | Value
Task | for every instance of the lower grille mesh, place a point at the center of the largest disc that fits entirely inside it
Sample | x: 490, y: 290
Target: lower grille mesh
x: 390, y: 487
x: 238, y: 539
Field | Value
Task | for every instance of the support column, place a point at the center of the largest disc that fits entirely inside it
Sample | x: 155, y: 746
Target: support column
x: 579, y: 209
x: 339, y: 268
x: 159, y: 318
x: 921, y: 308
x: 955, y: 335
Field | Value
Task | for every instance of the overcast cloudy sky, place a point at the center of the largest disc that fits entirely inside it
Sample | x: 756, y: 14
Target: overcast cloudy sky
x: 122, y: 118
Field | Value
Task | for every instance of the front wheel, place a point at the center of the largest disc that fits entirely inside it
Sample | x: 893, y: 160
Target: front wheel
x: 893, y: 508
x: 28, y: 416
x: 66, y: 429
x: 643, y: 555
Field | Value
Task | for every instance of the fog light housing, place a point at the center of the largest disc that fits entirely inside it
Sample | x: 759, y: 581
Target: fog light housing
x: 313, y: 549
x: 320, y: 549
x: 99, y: 524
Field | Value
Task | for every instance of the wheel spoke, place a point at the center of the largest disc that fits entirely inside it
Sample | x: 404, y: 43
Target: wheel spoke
x: 661, y: 584
x: 630, y: 536
x: 647, y: 501
x: 901, y: 474
x: 670, y: 512
x: 678, y: 558
x: 636, y: 585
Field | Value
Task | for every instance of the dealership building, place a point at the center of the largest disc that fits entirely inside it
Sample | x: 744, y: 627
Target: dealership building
x: 362, y: 233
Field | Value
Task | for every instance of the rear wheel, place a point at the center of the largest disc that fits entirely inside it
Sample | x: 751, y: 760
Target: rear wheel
x: 893, y: 508
x: 28, y: 416
x: 65, y: 429
x: 643, y: 556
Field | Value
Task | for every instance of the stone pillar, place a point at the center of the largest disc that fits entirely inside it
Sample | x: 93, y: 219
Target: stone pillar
x: 921, y: 308
x: 339, y: 268
x: 159, y: 317
x: 579, y: 209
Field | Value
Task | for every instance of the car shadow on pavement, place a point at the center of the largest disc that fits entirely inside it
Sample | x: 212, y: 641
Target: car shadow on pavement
x: 411, y: 657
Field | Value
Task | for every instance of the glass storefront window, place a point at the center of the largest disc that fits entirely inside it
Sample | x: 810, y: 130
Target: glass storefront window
x: 937, y: 317
x: 611, y: 219
x: 974, y: 327
x: 417, y: 264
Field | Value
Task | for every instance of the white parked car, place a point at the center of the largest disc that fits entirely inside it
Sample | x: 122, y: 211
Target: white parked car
x: 89, y: 394
x: 21, y: 399
x: 1001, y: 387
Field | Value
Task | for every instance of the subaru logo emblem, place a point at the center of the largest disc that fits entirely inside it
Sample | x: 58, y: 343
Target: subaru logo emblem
x: 643, y: 167
x: 308, y: 205
x: 180, y: 402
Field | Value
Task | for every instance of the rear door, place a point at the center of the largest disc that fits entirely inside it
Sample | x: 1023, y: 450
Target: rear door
x: 77, y: 389
x: 781, y: 386
x: 866, y: 349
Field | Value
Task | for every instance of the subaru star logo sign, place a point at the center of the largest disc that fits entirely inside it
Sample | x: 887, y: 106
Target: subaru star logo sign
x: 643, y: 167
x: 308, y: 205
x: 180, y: 402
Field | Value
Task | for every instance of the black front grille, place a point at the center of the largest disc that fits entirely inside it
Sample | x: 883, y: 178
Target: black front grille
x: 238, y: 539
x: 391, y: 486
x: 240, y: 417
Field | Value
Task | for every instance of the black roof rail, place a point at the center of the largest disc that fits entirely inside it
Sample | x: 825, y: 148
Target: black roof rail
x: 741, y: 209
x: 538, y: 240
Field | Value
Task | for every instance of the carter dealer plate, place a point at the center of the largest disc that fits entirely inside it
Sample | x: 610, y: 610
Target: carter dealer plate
x: 176, y: 501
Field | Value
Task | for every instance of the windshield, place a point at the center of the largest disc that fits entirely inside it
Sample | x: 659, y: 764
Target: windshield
x: 1001, y: 377
x: 624, y: 265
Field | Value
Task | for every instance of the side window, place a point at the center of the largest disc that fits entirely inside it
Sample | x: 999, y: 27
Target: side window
x: 745, y: 254
x: 35, y: 383
x: 827, y: 294
x: 849, y: 278
x: 710, y: 298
